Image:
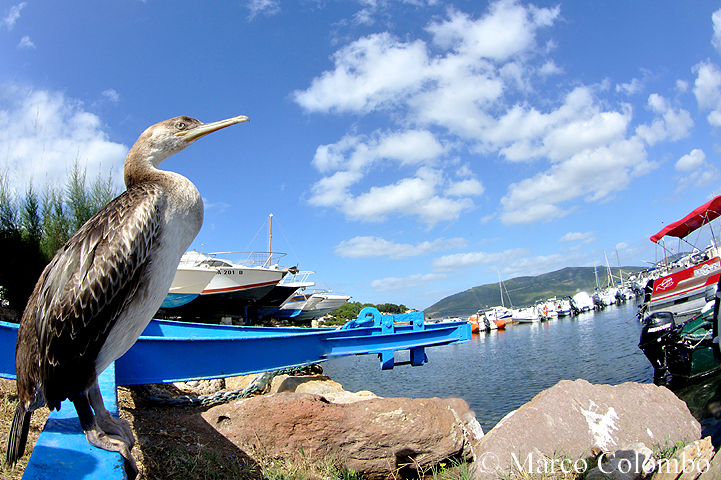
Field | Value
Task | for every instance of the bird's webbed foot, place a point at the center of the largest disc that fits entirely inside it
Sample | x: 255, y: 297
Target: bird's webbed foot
x: 110, y: 425
x: 117, y: 439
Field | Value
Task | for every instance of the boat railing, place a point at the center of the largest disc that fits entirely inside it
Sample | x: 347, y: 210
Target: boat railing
x: 297, y: 277
x: 246, y: 259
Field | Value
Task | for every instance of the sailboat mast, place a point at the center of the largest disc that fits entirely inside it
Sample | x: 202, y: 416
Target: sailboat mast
x: 270, y: 238
x: 500, y: 287
x: 595, y: 272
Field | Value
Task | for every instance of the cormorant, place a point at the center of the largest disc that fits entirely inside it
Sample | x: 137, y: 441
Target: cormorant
x: 100, y: 291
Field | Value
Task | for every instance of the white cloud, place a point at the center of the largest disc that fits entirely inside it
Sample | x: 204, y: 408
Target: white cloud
x: 25, y: 42
x: 431, y: 194
x: 265, y: 7
x: 691, y: 161
x: 43, y: 133
x: 413, y: 281
x: 370, y: 73
x: 669, y: 124
x: 461, y: 261
x: 707, y: 89
x: 112, y: 95
x: 700, y: 173
x: 585, y: 238
x: 635, y: 86
x: 716, y: 39
x: 372, y: 247
x: 592, y: 174
x: 472, y: 85
x: 13, y: 15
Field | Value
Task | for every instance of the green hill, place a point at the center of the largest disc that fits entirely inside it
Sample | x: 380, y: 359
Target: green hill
x: 523, y: 291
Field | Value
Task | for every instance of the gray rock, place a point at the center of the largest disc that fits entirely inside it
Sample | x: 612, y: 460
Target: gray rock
x: 630, y: 463
x: 374, y: 437
x: 572, y: 417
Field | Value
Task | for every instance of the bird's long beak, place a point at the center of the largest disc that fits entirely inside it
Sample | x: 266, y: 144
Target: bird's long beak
x: 206, y: 128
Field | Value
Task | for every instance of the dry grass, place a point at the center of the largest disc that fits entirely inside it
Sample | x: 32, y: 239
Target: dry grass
x: 8, y: 400
x: 174, y: 442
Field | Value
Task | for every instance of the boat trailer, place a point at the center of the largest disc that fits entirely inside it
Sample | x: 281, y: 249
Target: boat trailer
x: 169, y: 351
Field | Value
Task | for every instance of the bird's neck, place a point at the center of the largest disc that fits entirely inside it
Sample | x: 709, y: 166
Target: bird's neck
x: 141, y: 165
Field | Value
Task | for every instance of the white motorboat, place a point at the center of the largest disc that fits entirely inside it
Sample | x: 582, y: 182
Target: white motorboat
x: 306, y: 306
x: 526, y: 315
x: 187, y: 284
x: 237, y: 284
x: 583, y: 301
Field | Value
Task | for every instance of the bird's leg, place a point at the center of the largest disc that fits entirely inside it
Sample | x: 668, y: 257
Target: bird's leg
x: 98, y: 438
x: 108, y: 424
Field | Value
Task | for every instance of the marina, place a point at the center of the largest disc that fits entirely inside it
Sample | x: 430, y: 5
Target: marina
x: 499, y: 371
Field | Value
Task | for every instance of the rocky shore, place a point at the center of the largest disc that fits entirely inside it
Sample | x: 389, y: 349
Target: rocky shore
x: 628, y: 431
x: 572, y: 431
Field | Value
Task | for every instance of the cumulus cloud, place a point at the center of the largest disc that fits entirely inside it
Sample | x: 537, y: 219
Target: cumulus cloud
x: 669, y: 124
x: 43, y: 133
x: 13, y: 16
x: 372, y: 247
x: 472, y: 86
x: 432, y: 194
x: 707, y: 89
x: 691, y: 161
x: 698, y: 172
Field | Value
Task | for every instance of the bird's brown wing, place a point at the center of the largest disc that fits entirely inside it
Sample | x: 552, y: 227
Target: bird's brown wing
x: 87, y: 286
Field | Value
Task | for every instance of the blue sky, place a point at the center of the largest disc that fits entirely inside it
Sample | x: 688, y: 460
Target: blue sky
x: 409, y: 149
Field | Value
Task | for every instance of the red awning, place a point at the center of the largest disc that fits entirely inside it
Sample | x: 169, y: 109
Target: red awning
x: 694, y: 220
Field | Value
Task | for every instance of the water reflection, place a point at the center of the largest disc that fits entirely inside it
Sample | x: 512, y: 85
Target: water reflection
x: 499, y: 371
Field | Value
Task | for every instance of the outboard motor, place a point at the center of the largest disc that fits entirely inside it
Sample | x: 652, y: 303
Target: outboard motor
x: 653, y: 342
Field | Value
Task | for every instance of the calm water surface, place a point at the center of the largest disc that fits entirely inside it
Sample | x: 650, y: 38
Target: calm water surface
x: 499, y: 371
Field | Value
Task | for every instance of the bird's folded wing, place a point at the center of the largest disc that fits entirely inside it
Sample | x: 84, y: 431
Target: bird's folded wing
x: 90, y: 281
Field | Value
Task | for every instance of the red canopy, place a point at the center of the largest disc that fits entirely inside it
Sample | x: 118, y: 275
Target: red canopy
x: 694, y: 220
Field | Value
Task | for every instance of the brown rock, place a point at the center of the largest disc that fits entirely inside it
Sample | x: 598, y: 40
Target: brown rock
x: 240, y: 382
x: 572, y: 417
x: 372, y: 437
x: 318, y: 385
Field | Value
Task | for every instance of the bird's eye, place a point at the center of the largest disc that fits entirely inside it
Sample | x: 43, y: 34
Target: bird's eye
x: 180, y: 125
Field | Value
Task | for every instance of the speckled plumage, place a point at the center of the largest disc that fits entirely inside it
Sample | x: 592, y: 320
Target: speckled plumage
x: 101, y: 289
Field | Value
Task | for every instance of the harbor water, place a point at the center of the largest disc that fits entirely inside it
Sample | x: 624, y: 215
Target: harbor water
x: 497, y: 372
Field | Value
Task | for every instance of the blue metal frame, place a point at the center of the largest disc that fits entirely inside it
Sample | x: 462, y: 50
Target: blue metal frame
x: 170, y: 351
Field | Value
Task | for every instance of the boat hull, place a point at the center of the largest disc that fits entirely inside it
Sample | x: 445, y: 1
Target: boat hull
x: 684, y: 292
x: 187, y: 285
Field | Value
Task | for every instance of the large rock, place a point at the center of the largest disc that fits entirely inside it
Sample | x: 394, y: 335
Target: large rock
x: 571, y: 418
x: 319, y: 385
x: 373, y: 437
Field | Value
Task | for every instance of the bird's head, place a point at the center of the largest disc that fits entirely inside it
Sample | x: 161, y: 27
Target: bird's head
x: 169, y: 137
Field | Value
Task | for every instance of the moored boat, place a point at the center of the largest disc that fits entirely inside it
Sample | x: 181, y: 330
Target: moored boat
x: 680, y: 352
x: 683, y: 289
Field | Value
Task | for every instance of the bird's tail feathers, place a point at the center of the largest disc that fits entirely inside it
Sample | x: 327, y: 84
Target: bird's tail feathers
x: 18, y: 436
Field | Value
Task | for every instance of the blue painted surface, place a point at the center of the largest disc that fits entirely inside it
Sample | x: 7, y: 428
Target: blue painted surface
x: 63, y: 453
x: 176, y: 351
x: 170, y: 351
x: 173, y: 300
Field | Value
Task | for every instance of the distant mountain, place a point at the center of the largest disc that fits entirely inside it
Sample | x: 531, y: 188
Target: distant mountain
x: 524, y: 290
